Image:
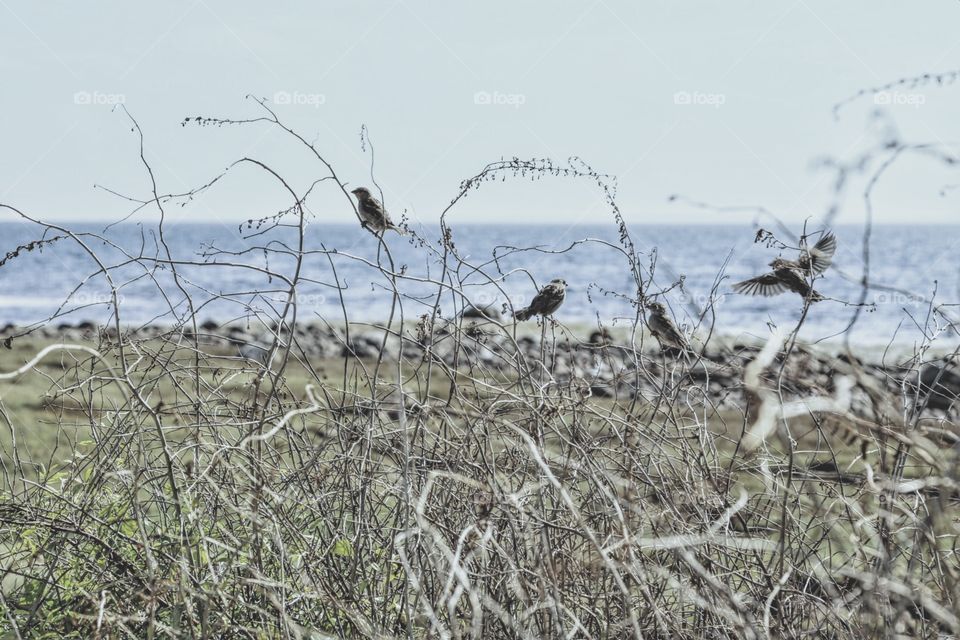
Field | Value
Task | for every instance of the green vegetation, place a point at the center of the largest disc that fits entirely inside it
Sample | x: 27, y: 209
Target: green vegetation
x: 502, y: 505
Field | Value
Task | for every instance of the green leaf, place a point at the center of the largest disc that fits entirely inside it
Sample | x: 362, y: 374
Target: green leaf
x: 343, y: 548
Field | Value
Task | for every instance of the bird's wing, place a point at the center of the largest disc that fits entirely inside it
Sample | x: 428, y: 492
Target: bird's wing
x: 537, y: 303
x: 819, y: 258
x: 543, y: 298
x: 376, y: 207
x: 384, y: 214
x: 766, y: 285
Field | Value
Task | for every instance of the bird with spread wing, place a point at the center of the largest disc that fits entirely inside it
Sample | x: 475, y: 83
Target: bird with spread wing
x: 794, y: 275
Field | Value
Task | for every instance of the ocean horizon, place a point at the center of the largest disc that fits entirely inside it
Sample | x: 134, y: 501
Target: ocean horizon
x: 693, y: 268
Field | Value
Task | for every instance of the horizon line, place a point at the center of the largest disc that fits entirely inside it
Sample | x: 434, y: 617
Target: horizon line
x: 489, y: 223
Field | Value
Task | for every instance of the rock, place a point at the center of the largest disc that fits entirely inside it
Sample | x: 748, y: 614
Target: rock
x: 940, y: 386
x: 359, y: 349
x: 367, y: 345
x: 150, y: 331
x: 602, y: 391
x: 601, y: 338
x: 254, y: 353
x: 71, y: 335
x: 849, y: 359
x: 238, y: 336
x: 481, y: 312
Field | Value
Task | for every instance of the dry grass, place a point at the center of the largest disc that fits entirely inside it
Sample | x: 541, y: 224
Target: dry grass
x: 153, y: 488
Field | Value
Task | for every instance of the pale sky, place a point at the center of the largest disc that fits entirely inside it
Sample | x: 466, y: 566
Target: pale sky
x: 446, y: 87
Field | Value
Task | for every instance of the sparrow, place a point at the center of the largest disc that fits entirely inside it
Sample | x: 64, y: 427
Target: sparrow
x: 813, y: 262
x: 793, y: 275
x: 662, y: 327
x: 372, y: 213
x: 546, y: 301
x: 783, y: 278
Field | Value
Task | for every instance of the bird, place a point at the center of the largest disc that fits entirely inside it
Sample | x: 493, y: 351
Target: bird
x: 663, y: 328
x: 783, y: 278
x: 813, y: 262
x: 794, y: 275
x: 546, y: 301
x: 372, y: 214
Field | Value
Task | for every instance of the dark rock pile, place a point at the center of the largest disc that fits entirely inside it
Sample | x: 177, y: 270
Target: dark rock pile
x: 607, y: 367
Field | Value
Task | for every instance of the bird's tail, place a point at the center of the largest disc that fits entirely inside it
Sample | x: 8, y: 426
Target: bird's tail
x: 523, y: 314
x: 398, y: 230
x: 816, y: 297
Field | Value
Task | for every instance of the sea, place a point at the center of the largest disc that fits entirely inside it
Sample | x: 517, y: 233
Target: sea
x: 899, y: 284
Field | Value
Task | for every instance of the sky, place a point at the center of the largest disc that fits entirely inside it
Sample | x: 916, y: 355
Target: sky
x: 728, y: 103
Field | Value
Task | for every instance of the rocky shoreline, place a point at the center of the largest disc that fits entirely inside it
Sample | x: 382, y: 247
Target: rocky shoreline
x: 607, y: 365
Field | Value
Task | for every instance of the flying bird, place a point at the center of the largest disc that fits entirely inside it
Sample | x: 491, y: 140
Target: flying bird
x: 818, y: 259
x: 372, y: 213
x: 793, y: 275
x: 663, y: 328
x: 783, y: 278
x: 546, y: 301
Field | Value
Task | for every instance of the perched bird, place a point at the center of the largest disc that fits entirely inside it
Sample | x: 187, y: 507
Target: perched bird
x: 372, y: 213
x: 662, y: 327
x: 794, y: 275
x: 546, y: 301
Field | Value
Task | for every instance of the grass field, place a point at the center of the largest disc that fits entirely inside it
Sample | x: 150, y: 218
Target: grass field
x: 201, y: 495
